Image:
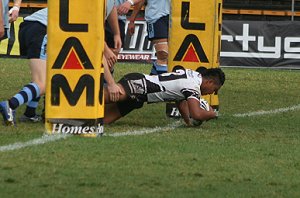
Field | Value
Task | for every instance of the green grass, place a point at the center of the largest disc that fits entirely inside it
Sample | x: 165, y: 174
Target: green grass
x: 256, y: 156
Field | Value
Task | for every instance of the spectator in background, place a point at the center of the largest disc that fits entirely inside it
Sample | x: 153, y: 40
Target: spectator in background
x: 157, y: 17
x: 8, y: 16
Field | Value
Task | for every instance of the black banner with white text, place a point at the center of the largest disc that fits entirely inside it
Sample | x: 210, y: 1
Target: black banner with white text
x: 261, y: 43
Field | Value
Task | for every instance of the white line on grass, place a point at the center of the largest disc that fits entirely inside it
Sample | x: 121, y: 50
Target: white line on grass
x: 145, y: 130
x: 42, y: 140
x: 51, y: 138
x: 274, y: 111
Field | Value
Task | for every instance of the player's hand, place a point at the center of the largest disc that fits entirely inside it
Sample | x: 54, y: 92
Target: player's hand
x: 114, y: 92
x: 123, y: 8
x: 111, y: 58
x: 131, y: 28
x: 13, y: 14
x: 214, y: 112
x: 118, y: 44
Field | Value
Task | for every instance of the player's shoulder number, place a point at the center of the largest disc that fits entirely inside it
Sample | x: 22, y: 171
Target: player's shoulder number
x: 177, y: 74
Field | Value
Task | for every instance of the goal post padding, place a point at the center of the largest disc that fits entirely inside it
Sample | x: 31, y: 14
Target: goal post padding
x: 195, y: 36
x: 74, y: 93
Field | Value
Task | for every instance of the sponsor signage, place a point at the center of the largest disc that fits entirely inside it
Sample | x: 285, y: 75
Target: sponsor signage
x: 74, y: 97
x: 10, y: 47
x: 137, y: 47
x: 195, y: 33
x: 261, y: 43
x: 195, y: 36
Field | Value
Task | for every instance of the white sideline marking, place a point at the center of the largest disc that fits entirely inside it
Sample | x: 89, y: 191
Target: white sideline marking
x: 42, y: 140
x: 275, y: 111
x: 51, y: 138
x: 145, y: 130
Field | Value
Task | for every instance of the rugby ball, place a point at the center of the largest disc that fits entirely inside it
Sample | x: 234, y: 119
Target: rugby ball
x: 204, y: 105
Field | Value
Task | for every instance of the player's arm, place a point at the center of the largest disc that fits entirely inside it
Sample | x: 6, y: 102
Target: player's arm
x: 110, y: 56
x: 1, y: 21
x: 113, y: 89
x: 114, y: 25
x: 14, y: 11
x: 197, y: 113
x: 136, y: 10
x: 184, y: 111
x: 125, y: 7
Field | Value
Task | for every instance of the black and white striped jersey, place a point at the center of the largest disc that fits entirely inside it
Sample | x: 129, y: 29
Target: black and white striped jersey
x: 174, y: 86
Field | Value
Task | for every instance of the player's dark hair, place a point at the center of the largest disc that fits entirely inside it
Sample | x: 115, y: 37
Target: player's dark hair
x: 212, y: 73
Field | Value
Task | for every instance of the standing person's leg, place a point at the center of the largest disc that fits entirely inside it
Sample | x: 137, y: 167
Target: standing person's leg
x: 28, y: 92
x: 37, y: 63
x: 161, y: 64
x: 38, y: 76
x: 158, y: 33
x: 33, y: 44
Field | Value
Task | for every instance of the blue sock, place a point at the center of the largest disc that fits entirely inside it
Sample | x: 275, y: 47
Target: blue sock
x: 158, y: 69
x: 29, y: 92
x: 31, y: 107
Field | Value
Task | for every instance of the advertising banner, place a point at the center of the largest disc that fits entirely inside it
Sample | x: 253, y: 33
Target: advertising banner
x: 74, y: 95
x: 10, y: 47
x: 261, y: 44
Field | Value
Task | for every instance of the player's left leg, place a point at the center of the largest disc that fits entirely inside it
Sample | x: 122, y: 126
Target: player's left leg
x: 161, y: 64
x: 30, y: 111
x: 115, y: 111
x: 111, y: 113
x: 158, y: 33
x: 38, y: 73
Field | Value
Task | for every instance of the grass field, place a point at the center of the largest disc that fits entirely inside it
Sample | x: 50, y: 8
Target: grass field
x: 252, y: 150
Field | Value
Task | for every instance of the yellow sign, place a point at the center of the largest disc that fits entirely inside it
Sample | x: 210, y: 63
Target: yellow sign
x: 74, y: 94
x: 195, y: 36
x: 11, y: 46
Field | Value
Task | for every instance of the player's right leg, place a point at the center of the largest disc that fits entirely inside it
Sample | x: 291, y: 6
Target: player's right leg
x: 8, y: 114
x: 30, y: 112
x: 7, y: 109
